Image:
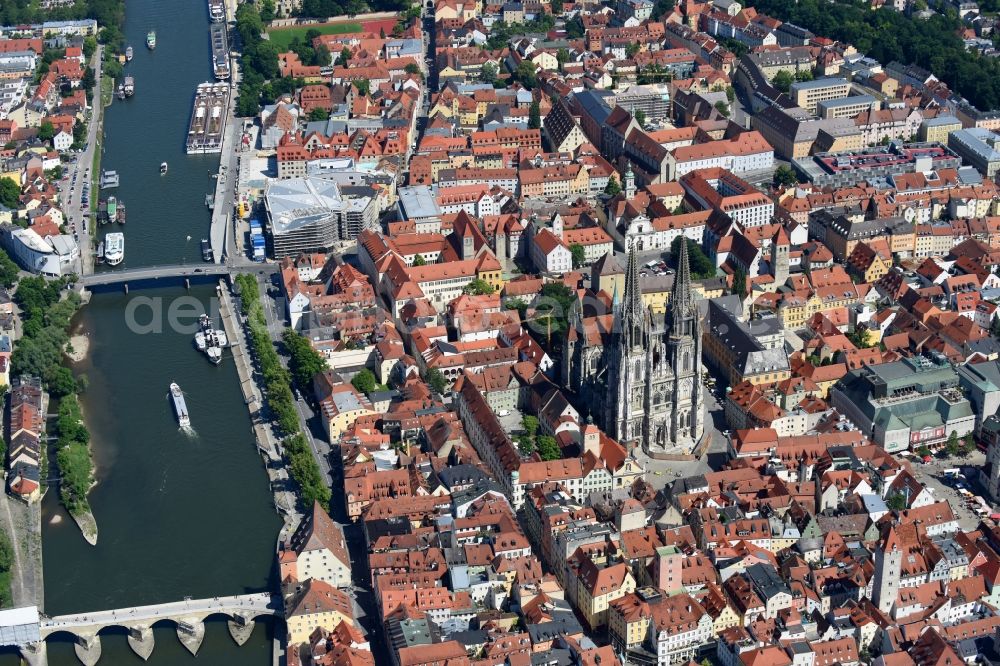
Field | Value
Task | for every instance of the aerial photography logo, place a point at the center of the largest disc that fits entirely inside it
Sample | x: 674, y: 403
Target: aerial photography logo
x: 146, y: 315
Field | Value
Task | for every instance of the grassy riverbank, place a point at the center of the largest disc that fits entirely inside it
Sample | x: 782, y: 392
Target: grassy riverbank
x: 277, y: 381
x: 6, y: 563
x: 46, y: 313
x: 76, y: 469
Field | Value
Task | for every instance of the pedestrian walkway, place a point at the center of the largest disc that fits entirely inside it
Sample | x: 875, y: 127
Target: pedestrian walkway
x: 285, y: 500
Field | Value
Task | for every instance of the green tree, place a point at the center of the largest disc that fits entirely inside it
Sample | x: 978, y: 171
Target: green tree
x: 302, y: 465
x: 323, y: 57
x: 730, y: 94
x: 345, y: 57
x: 319, y: 113
x: 804, y: 75
x: 701, y: 266
x: 612, y: 189
x: 364, y: 87
x: 534, y: 116
x: 8, y: 270
x: 553, y: 308
x: 574, y: 28
x: 547, y: 448
x: 579, y: 255
x: 640, y: 117
x: 488, y: 73
x: 740, y: 283
x: 304, y: 361
x: 895, y: 502
x: 419, y: 260
x: 530, y: 425
x: 784, y: 176
x: 782, y: 80
x: 365, y: 381
x: 557, y: 7
x: 953, y: 447
x: 436, y: 381
x: 923, y: 451
x: 59, y: 381
x: 267, y: 11
x: 478, y: 287
x: 89, y: 47
x: 413, y: 68
x: 516, y: 304
x: 562, y: 56
x: 722, y: 108
x: 46, y: 131
x: 525, y: 73
x: 525, y: 446
x: 662, y: 8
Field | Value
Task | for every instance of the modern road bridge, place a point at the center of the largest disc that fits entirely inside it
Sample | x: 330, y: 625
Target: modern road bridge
x: 153, y: 273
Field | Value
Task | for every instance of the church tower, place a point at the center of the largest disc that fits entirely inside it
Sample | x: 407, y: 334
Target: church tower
x: 687, y: 419
x: 888, y: 566
x: 629, y: 182
x: 780, y: 247
x: 627, y: 362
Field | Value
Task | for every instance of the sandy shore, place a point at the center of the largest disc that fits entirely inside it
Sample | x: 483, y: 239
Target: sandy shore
x: 79, y: 345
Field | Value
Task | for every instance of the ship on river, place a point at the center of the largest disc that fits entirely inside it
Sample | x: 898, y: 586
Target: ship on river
x: 210, y: 340
x: 217, y: 10
x: 220, y: 51
x: 128, y: 54
x: 114, y: 248
x: 208, y: 118
x: 180, y: 407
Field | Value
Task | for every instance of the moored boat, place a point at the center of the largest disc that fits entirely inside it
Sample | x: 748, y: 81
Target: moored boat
x: 128, y: 54
x: 114, y: 248
x: 209, y: 340
x: 129, y: 86
x: 216, y: 10
x: 151, y: 40
x: 163, y: 168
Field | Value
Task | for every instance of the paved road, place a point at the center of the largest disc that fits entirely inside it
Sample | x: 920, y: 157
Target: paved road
x: 78, y: 215
x: 176, y: 270
x: 275, y: 317
x: 259, y: 603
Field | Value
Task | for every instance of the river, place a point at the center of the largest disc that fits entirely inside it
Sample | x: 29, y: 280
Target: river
x: 178, y: 515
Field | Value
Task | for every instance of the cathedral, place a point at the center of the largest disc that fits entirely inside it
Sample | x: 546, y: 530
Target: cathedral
x: 638, y: 373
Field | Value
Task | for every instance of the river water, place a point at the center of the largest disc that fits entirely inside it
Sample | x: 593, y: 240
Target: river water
x: 178, y: 515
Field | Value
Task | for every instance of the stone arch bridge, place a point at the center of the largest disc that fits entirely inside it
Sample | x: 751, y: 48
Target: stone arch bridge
x: 188, y: 615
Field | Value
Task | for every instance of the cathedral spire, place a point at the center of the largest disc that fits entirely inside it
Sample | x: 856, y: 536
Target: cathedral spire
x: 631, y: 312
x: 681, y: 302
